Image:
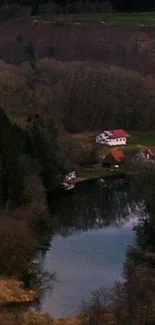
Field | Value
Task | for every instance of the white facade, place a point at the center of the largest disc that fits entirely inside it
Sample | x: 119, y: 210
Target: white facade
x: 116, y: 142
x: 105, y: 139
x: 70, y: 176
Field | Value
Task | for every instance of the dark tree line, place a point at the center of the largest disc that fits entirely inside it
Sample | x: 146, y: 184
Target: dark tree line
x: 27, y: 167
x: 112, y: 5
x: 38, y: 142
x: 132, y: 300
x: 133, y: 5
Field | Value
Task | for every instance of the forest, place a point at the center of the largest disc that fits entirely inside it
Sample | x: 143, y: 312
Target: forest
x: 44, y: 99
x: 116, y: 5
x: 50, y: 89
x: 74, y: 6
x: 41, y: 100
x: 78, y: 96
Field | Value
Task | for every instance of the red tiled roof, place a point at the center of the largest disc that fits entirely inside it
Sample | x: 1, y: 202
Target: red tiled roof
x: 119, y: 133
x: 118, y: 155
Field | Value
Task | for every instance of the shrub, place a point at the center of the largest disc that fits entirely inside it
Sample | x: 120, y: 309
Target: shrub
x: 17, y: 246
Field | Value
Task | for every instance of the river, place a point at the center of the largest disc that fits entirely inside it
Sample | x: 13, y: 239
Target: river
x: 94, y: 227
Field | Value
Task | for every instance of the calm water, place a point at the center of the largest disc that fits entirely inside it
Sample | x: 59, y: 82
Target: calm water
x: 94, y: 228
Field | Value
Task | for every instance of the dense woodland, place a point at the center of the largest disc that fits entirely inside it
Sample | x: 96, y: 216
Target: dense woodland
x: 129, y: 302
x: 86, y: 5
x: 40, y: 101
x: 78, y: 96
x: 46, y: 93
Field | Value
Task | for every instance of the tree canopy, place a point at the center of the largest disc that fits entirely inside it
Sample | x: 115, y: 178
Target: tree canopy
x: 115, y: 5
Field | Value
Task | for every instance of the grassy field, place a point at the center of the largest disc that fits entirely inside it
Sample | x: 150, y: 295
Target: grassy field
x: 110, y: 19
x: 87, y: 141
x: 95, y: 173
x: 87, y: 138
x: 142, y: 138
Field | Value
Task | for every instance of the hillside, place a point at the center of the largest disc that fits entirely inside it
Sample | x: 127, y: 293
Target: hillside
x: 60, y: 83
x: 127, y: 46
x: 78, y: 96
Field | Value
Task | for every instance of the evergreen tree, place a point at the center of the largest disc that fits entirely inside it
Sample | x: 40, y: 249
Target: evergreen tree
x: 42, y: 145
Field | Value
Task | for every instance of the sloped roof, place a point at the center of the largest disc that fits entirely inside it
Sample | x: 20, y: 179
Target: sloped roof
x: 114, y: 134
x: 119, y: 133
x: 118, y: 155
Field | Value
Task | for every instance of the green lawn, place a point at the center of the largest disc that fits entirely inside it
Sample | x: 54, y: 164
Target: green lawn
x: 136, y: 139
x: 112, y: 19
x: 95, y: 173
x: 142, y: 138
x: 87, y: 139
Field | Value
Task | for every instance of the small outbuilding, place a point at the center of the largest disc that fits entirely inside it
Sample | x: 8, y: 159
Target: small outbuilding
x: 144, y: 155
x: 68, y: 174
x: 148, y: 155
x: 114, y: 159
x: 139, y: 156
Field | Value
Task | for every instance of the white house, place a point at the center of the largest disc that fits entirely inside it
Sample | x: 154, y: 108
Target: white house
x: 113, y: 137
x: 70, y: 176
x: 67, y: 173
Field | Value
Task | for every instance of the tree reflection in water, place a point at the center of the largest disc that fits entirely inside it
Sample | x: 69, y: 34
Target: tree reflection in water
x: 92, y: 206
x: 131, y: 301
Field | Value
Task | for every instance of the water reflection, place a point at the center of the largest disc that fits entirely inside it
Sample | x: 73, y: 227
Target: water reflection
x: 91, y: 206
x: 93, y: 230
x: 84, y: 262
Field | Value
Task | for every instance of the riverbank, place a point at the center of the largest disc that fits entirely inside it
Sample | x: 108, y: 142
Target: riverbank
x: 15, y: 301
x: 13, y: 292
x: 94, y: 173
x: 33, y: 318
x: 25, y: 318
